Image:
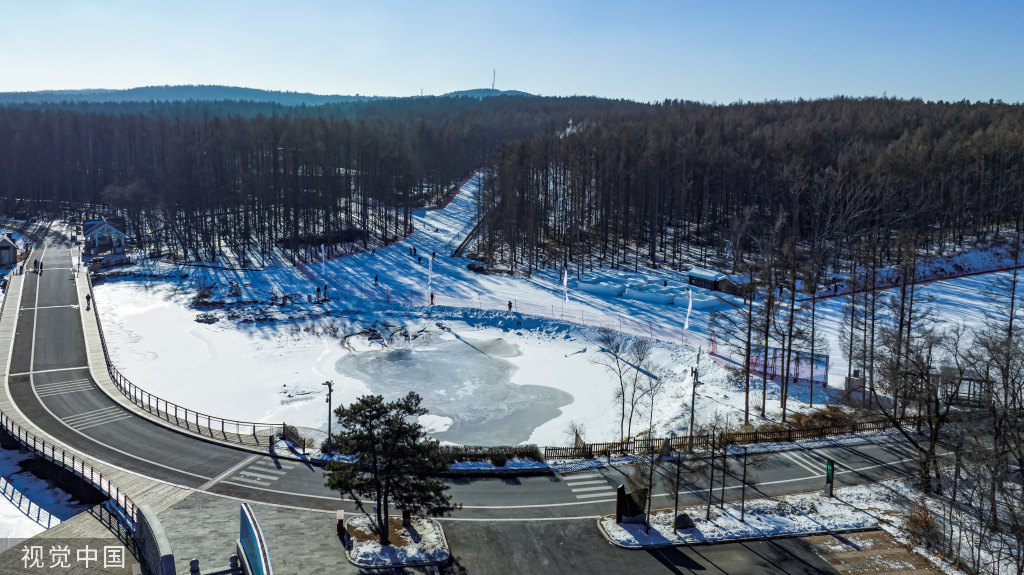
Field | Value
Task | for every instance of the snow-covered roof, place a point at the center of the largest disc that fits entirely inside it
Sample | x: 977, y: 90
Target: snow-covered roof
x: 704, y: 274
x: 739, y: 279
x: 7, y: 239
x: 104, y: 227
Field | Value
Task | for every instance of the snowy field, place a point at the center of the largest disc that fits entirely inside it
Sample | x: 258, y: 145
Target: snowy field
x: 487, y: 377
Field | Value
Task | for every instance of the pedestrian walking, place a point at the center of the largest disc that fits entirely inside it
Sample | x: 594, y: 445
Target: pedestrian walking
x: 419, y: 259
x: 433, y: 255
x: 509, y: 306
x: 88, y: 300
x: 375, y: 280
x: 317, y: 293
x: 431, y: 298
x: 325, y: 293
x: 40, y: 267
x: 35, y: 265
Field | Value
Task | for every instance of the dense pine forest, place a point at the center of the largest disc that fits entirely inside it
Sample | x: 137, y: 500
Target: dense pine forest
x: 581, y: 182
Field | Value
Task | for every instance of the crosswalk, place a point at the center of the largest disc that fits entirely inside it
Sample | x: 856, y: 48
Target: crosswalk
x: 588, y: 485
x: 807, y: 460
x: 263, y: 472
x: 62, y: 387
x: 88, y: 419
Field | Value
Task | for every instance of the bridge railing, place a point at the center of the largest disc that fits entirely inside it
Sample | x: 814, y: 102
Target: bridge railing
x: 219, y: 428
x: 127, y: 511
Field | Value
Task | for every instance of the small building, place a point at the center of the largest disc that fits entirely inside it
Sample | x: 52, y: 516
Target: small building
x: 707, y: 279
x: 8, y: 250
x: 101, y: 235
x: 718, y: 281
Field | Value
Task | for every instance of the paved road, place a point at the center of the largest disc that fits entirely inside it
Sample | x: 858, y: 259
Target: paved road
x: 50, y: 384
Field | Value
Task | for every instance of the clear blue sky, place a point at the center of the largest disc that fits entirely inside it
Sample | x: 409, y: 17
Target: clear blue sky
x: 711, y: 50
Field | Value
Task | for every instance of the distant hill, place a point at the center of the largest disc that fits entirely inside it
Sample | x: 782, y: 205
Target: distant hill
x: 177, y: 93
x: 484, y: 92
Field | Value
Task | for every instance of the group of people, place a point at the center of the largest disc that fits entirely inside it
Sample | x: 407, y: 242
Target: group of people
x: 37, y: 266
x: 324, y: 292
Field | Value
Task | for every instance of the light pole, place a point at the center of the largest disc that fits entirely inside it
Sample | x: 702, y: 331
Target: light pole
x: 330, y: 391
x: 743, y: 490
x: 693, y: 397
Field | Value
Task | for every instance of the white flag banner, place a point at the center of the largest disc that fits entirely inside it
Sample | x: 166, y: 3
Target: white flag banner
x: 689, y: 308
x: 565, y: 286
x: 323, y: 262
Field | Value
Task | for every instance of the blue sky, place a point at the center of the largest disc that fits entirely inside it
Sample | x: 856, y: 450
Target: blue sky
x: 710, y: 51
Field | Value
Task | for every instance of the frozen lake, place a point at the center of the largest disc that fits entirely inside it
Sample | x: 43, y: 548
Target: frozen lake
x: 465, y: 383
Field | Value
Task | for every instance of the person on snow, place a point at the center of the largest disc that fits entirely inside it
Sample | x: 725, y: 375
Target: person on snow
x: 433, y: 255
x: 431, y: 298
x: 317, y: 293
x: 325, y: 292
x: 509, y: 306
x: 375, y: 280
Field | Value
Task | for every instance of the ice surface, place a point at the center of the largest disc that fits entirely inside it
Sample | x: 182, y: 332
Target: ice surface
x: 466, y: 380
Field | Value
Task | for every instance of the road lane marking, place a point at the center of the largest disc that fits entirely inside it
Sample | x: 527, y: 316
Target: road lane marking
x: 59, y: 384
x: 273, y: 466
x: 221, y: 477
x: 263, y: 469
x: 50, y: 370
x: 790, y: 457
x: 588, y: 495
x: 65, y: 392
x: 809, y: 460
x: 604, y: 487
x: 104, y: 422
x: 95, y: 411
x: 260, y: 475
x: 253, y: 481
x: 587, y: 482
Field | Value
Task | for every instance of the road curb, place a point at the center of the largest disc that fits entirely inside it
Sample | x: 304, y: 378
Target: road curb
x: 724, y: 540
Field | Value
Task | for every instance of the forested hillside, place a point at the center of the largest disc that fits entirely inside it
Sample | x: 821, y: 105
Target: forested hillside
x: 573, y: 180
x: 177, y: 93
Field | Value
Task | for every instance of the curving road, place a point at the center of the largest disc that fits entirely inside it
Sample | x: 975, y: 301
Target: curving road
x: 50, y: 383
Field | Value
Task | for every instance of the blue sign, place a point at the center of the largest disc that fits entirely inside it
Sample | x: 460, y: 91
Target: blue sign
x: 253, y: 545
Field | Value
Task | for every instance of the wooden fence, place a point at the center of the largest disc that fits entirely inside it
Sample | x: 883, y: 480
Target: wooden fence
x: 646, y: 445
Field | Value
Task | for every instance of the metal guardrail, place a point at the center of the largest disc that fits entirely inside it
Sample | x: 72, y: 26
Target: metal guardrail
x: 193, y: 421
x: 127, y: 511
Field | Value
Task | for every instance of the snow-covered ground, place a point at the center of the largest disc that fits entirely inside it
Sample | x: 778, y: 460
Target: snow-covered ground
x: 860, y: 506
x: 883, y: 504
x: 29, y: 505
x: 423, y: 542
x: 956, y: 300
x: 487, y: 376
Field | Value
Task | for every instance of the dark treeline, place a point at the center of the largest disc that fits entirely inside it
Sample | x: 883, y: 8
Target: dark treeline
x: 193, y: 177
x: 577, y: 181
x: 723, y: 180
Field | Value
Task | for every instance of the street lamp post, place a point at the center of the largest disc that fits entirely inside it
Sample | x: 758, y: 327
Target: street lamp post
x: 330, y: 391
x: 693, y: 396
